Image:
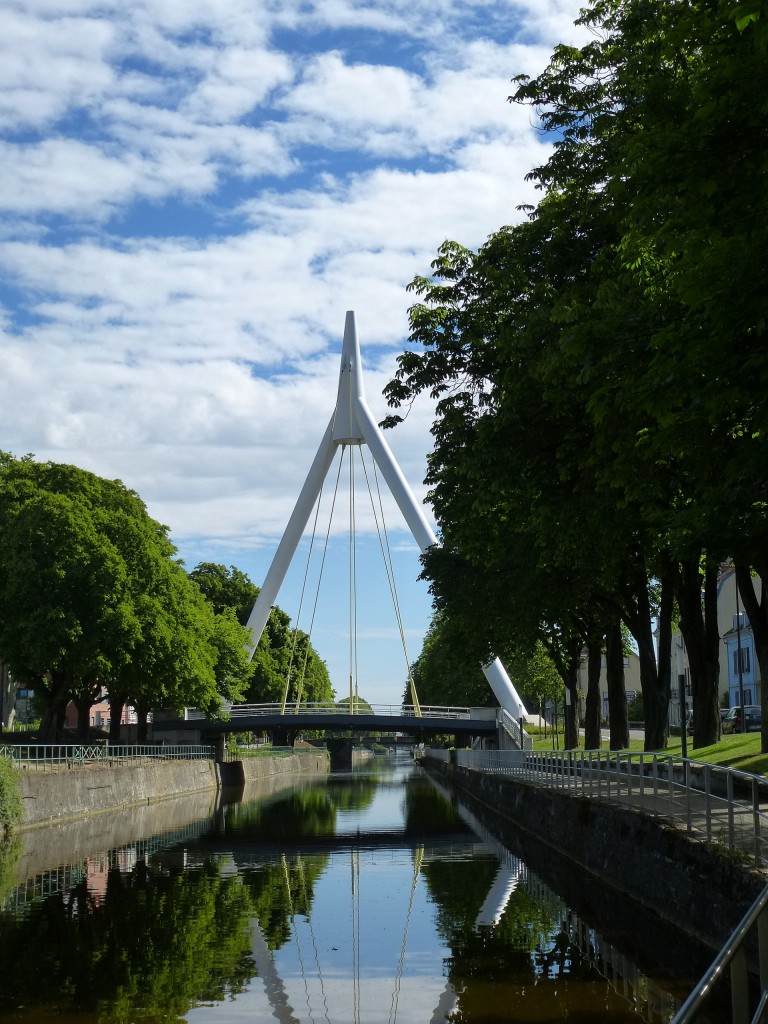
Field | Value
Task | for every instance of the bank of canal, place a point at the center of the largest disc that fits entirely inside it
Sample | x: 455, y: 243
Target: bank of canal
x: 369, y: 896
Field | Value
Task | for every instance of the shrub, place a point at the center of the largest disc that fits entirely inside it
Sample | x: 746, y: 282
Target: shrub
x: 11, y: 807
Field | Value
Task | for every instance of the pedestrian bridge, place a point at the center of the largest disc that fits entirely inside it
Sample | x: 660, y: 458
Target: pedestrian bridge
x: 329, y: 717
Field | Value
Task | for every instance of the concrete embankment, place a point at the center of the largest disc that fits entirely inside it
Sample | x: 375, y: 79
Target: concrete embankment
x: 685, y: 882
x: 80, y: 839
x: 69, y: 794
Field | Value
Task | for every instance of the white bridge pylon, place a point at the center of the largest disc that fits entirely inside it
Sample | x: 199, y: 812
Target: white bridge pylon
x: 352, y: 423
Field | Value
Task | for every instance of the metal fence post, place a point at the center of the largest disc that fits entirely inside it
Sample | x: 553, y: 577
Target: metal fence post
x: 729, y: 793
x: 688, y: 809
x: 756, y: 818
x: 655, y: 776
x: 708, y: 799
x: 740, y: 987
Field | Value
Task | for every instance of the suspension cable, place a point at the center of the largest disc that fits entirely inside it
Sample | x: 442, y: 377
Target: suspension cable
x: 353, y: 663
x: 301, y: 600
x: 389, y: 567
x: 317, y: 593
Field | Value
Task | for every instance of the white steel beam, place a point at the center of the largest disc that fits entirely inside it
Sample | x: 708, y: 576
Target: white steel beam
x: 352, y: 423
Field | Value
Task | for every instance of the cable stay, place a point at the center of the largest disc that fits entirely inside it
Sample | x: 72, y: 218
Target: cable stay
x: 300, y: 687
x: 389, y: 566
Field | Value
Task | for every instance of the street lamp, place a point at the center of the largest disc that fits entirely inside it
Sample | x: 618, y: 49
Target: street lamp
x: 738, y: 659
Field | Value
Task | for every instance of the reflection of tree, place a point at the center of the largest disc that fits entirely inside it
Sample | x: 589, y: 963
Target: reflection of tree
x: 157, y: 944
x: 304, y: 812
x: 527, y: 957
x: 427, y: 811
x: 281, y: 891
x: 352, y: 794
x: 10, y: 852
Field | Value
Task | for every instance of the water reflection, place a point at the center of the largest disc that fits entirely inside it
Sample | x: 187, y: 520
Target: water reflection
x: 373, y: 897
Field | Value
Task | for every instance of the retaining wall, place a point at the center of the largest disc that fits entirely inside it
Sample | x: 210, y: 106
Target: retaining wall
x: 67, y: 794
x: 684, y: 881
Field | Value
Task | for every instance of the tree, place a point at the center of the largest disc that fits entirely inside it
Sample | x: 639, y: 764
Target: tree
x: 226, y: 588
x: 92, y: 598
x: 285, y: 665
x: 444, y: 673
x: 66, y: 616
x: 592, y: 395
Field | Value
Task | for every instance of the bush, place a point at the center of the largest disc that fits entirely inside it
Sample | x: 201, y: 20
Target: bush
x: 11, y: 807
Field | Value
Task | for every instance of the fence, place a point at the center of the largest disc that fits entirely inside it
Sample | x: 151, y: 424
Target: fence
x: 55, y: 757
x: 721, y: 805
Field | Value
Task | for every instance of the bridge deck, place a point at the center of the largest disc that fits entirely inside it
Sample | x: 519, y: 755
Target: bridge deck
x: 386, y: 719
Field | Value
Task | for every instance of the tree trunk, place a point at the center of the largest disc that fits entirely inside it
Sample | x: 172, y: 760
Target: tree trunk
x: 618, y: 722
x: 698, y: 624
x: 655, y: 676
x: 57, y: 698
x: 83, y: 705
x: 757, y: 612
x: 592, y: 736
x: 142, y: 712
x: 117, y: 702
x: 571, y: 729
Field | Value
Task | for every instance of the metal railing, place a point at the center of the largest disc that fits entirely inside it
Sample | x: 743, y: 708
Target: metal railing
x: 746, y: 1007
x: 243, y: 753
x: 325, y: 708
x: 512, y: 727
x: 721, y: 805
x: 57, y: 756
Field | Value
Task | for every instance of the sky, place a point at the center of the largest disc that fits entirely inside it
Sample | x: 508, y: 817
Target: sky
x: 194, y: 192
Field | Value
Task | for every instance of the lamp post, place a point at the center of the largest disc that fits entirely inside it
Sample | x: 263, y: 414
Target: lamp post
x: 738, y: 658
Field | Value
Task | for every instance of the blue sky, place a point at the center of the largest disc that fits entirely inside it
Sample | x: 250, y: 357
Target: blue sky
x: 193, y: 194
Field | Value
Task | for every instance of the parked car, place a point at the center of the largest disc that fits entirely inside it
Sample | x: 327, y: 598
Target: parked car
x: 753, y: 717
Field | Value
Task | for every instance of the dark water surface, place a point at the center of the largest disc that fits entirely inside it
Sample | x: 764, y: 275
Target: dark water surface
x: 374, y: 897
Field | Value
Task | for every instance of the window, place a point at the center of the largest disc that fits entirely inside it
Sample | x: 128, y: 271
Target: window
x: 744, y: 651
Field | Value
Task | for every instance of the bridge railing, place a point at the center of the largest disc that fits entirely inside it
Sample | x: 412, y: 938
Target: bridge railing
x: 45, y: 757
x: 324, y: 708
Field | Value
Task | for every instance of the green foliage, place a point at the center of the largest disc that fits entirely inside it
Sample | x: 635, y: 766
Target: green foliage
x: 10, y: 854
x: 635, y: 710
x: 11, y: 805
x: 226, y: 588
x: 285, y: 663
x: 92, y: 597
x: 447, y: 672
x: 600, y: 368
x: 159, y: 942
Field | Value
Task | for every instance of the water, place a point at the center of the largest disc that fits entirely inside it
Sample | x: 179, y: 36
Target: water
x: 372, y: 898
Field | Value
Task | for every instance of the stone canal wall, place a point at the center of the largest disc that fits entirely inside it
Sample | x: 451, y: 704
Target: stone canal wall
x: 687, y: 883
x: 66, y: 794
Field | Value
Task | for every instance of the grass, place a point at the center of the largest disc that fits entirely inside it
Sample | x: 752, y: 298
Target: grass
x: 739, y: 750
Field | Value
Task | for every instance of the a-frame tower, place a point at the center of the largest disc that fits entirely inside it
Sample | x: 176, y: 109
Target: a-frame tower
x: 352, y: 423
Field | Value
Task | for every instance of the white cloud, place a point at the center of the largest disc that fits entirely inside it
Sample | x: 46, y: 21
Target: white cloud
x: 195, y: 191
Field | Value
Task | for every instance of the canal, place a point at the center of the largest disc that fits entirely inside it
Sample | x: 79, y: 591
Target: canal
x: 373, y: 896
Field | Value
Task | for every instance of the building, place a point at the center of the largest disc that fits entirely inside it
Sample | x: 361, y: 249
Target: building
x: 631, y: 680
x: 737, y: 651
